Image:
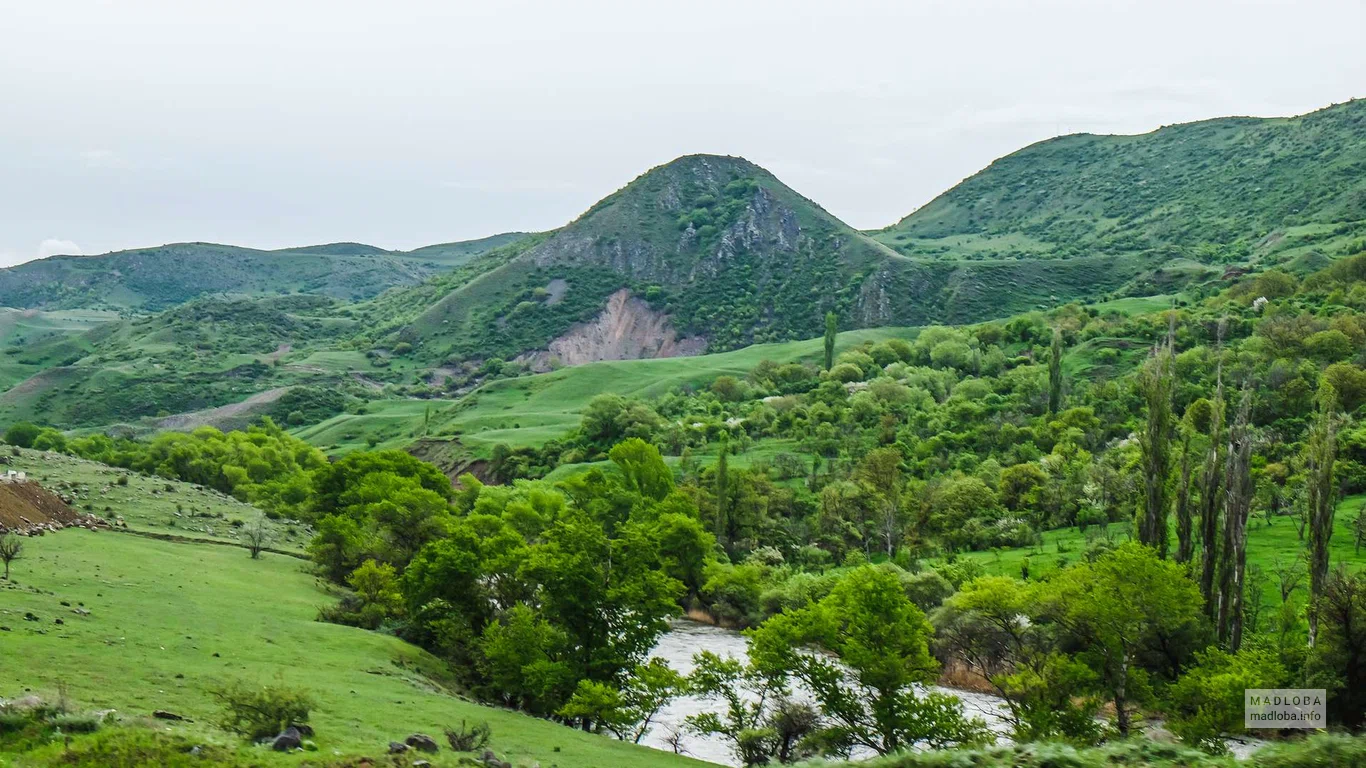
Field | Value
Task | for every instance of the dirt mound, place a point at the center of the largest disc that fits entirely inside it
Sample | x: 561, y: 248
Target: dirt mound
x: 28, y: 508
x: 627, y: 329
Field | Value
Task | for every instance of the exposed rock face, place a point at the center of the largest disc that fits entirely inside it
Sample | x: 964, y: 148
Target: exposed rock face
x: 627, y: 329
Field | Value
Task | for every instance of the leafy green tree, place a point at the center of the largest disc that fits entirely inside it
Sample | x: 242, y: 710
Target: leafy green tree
x: 751, y: 697
x: 376, y: 584
x: 338, y: 546
x: 643, y: 467
x: 22, y: 434
x: 1207, y: 702
x: 877, y: 641
x: 610, y: 596
x: 990, y: 628
x: 1119, y: 607
x: 522, y: 656
x: 722, y: 491
x: 626, y: 712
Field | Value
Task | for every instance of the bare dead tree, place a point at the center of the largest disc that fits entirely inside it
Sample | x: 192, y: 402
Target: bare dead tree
x: 1289, y: 576
x: 11, y: 549
x: 1320, y: 456
x: 256, y: 536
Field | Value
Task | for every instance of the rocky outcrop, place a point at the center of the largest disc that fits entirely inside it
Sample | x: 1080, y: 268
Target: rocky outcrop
x: 627, y: 329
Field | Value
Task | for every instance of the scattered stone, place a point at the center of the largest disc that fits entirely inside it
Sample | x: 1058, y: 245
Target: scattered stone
x: 305, y: 730
x: 421, y: 742
x: 162, y: 714
x: 397, y: 748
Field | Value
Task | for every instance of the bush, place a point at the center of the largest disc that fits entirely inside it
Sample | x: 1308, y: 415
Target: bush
x: 1319, y: 751
x: 258, y: 713
x: 469, y: 739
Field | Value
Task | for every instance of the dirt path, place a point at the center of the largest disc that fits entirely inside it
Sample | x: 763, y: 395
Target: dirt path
x: 220, y: 416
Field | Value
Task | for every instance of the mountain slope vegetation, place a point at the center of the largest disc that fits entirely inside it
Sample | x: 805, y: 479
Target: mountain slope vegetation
x: 1221, y: 191
x: 163, y: 276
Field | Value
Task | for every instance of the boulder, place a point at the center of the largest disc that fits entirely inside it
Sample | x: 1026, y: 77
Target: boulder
x: 162, y: 714
x: 397, y: 748
x: 421, y: 742
x: 288, y: 740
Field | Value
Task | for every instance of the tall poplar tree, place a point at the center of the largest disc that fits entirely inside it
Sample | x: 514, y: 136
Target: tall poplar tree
x: 1155, y: 385
x: 1320, y: 457
x: 831, y: 330
x: 1055, y: 373
x: 1237, y: 505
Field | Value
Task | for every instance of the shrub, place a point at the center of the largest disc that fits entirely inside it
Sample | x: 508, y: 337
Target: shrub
x: 469, y: 739
x: 258, y: 713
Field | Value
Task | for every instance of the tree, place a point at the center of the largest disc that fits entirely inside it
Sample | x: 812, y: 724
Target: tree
x: 376, y: 584
x: 988, y: 627
x: 1211, y: 500
x: 1155, y: 385
x: 722, y: 490
x: 22, y: 434
x: 626, y: 712
x: 1320, y: 455
x: 643, y: 467
x: 1055, y: 373
x: 831, y: 331
x: 1185, y: 541
x: 1338, y: 658
x: 256, y: 536
x: 880, y: 469
x: 878, y: 653
x: 1118, y: 607
x: 1238, y: 494
x: 1207, y: 702
x: 11, y: 549
x: 751, y: 697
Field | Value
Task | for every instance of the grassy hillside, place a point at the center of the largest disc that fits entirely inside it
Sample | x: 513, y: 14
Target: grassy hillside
x: 168, y: 621
x: 1221, y: 191
x: 529, y: 410
x: 163, y: 276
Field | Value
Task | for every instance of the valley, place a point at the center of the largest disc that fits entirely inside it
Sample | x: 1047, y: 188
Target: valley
x: 1083, y: 435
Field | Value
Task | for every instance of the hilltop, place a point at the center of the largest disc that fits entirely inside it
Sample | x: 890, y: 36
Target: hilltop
x: 163, y: 276
x: 1223, y: 191
x: 713, y: 253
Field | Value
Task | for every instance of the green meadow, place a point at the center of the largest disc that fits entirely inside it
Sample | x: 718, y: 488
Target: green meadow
x: 169, y: 621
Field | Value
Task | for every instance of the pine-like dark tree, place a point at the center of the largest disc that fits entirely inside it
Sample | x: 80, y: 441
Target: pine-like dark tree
x: 1055, y: 373
x: 832, y: 328
x: 1320, y: 457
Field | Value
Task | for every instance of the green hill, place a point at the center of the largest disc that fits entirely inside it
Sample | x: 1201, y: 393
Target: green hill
x: 723, y: 251
x: 1227, y: 190
x: 163, y: 276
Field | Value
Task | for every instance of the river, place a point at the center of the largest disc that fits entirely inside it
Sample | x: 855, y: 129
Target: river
x: 686, y: 638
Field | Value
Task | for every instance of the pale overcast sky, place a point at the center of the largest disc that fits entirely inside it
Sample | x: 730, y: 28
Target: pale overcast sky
x: 407, y: 122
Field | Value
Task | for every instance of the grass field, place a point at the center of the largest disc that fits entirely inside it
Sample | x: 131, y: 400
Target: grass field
x: 168, y: 621
x: 1267, y: 545
x: 150, y: 505
x: 529, y: 410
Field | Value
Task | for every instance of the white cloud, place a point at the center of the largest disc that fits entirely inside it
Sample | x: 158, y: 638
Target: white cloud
x: 56, y: 247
